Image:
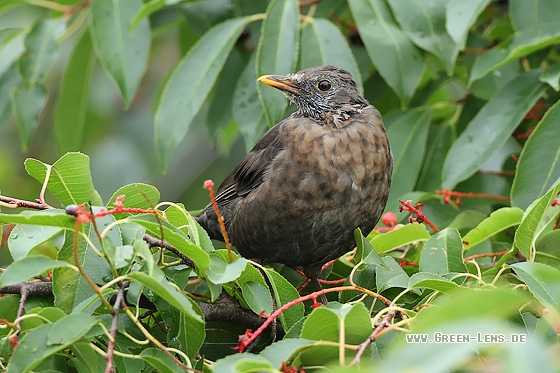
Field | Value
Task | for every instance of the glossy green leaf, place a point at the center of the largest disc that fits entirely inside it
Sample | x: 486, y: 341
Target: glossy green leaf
x: 158, y: 359
x: 460, y: 16
x: 551, y: 76
x: 322, y: 43
x: 69, y: 178
x: 401, y: 236
x: 257, y: 297
x: 189, y: 85
x: 532, y: 223
x: 424, y: 23
x: 276, y: 54
x: 70, y: 288
x: 543, y: 282
x: 24, y: 238
x: 164, y: 289
x: 365, y: 251
x: 149, y: 8
x: 443, y: 253
x: 7, y: 81
x: 28, y: 267
x: 490, y: 128
x: 27, y: 102
x: 222, y: 272
x: 431, y: 281
x: 525, y: 14
x: 398, y: 61
x: 284, y: 350
x: 12, y: 46
x: 48, y: 339
x: 283, y: 293
x: 407, y: 136
x: 519, y: 45
x: 390, y: 276
x: 136, y: 195
x: 246, y: 107
x: 240, y: 363
x: 349, y: 323
x: 87, y: 360
x: 539, y: 162
x: 48, y: 218
x: 175, y: 237
x: 73, y: 99
x: 123, y: 52
x: 498, y: 221
x: 41, y: 50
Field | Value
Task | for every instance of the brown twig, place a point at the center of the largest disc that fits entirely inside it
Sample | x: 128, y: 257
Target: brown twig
x: 110, y: 367
x: 385, y: 323
x: 15, y: 203
x: 485, y: 255
x: 448, y: 195
x: 416, y: 210
x: 156, y: 242
x: 209, y: 184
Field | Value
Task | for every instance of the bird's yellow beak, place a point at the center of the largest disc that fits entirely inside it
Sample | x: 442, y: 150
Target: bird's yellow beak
x: 280, y: 82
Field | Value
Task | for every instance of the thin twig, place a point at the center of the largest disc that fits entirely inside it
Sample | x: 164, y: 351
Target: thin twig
x: 110, y: 367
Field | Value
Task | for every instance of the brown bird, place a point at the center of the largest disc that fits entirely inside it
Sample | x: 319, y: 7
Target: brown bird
x: 311, y: 180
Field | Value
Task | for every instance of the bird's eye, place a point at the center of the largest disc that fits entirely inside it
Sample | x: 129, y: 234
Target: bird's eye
x: 324, y: 85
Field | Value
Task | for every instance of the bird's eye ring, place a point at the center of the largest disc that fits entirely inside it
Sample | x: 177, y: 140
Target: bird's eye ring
x: 324, y: 85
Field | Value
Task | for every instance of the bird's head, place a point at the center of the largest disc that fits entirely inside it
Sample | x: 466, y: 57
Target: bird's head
x: 319, y: 90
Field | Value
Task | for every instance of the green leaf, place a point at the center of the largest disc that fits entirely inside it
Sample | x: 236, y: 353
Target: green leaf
x: 191, y: 333
x: 69, y: 287
x: 391, y: 275
x: 460, y: 16
x: 41, y: 50
x: 189, y: 84
x: 28, y: 267
x: 87, y: 360
x: 246, y: 107
x: 550, y: 76
x: 257, y: 297
x: 431, y: 281
x: 498, y: 221
x: 222, y: 272
x: 543, y: 282
x: 424, y: 24
x: 490, y: 128
x: 400, y: 237
x: 69, y: 178
x: 365, y: 251
x: 150, y: 7
x: 27, y: 102
x: 520, y: 44
x: 526, y: 14
x: 48, y: 339
x: 8, y: 81
x: 443, y: 253
x: 276, y: 53
x: 241, y: 363
x: 175, y: 237
x: 322, y: 43
x: 284, y: 292
x: 73, y: 99
x: 407, y: 136
x: 24, y: 238
x: 284, y: 350
x: 164, y: 289
x: 539, y: 162
x: 398, y: 61
x: 12, y: 46
x: 50, y: 218
x: 533, y: 222
x: 137, y: 195
x: 123, y: 53
x: 158, y: 359
x: 343, y: 323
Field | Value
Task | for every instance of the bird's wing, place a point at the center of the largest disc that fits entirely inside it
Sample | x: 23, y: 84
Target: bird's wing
x: 250, y: 171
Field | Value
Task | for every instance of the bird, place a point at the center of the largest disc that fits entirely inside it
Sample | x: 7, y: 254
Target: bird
x: 311, y: 180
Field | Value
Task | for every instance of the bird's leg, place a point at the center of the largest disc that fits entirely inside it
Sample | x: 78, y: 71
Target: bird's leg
x: 318, y: 287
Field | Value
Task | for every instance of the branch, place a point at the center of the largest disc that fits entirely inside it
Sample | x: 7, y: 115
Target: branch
x: 156, y: 242
x: 110, y: 368
x: 15, y: 203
